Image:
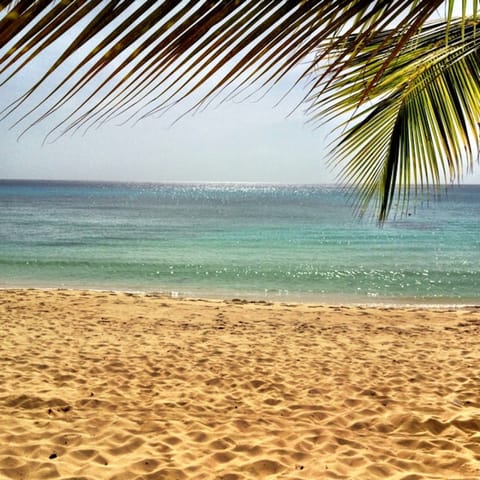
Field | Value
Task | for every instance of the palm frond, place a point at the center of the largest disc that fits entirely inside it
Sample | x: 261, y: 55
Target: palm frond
x: 152, y: 53
x: 420, y: 125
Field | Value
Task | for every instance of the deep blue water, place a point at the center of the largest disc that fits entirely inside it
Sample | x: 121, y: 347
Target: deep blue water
x: 226, y: 240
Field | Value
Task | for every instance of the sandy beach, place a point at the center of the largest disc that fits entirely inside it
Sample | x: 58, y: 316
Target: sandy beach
x: 100, y: 385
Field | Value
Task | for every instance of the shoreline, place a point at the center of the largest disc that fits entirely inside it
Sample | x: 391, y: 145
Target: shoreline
x: 98, y: 384
x: 253, y: 298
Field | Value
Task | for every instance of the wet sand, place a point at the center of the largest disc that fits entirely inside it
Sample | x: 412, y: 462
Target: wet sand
x: 100, y: 385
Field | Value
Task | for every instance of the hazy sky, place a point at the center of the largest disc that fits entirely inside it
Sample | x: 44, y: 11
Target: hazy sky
x: 247, y: 142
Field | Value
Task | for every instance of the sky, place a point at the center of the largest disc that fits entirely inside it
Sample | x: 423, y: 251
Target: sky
x: 249, y: 141
x: 232, y: 142
x: 264, y: 139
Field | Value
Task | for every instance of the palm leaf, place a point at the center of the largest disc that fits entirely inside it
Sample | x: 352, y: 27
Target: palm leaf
x: 420, y: 125
x: 176, y: 47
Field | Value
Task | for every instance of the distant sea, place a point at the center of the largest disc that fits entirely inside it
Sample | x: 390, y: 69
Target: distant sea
x: 273, y: 242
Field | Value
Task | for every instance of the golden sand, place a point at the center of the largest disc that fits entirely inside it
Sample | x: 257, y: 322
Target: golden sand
x: 119, y: 386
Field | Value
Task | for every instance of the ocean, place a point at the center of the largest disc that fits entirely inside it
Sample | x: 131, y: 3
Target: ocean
x: 263, y: 242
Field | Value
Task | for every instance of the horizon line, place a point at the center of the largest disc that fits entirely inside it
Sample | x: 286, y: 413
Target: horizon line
x: 217, y: 182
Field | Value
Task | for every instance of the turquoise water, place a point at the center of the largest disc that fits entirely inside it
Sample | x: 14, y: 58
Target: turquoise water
x: 228, y: 240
